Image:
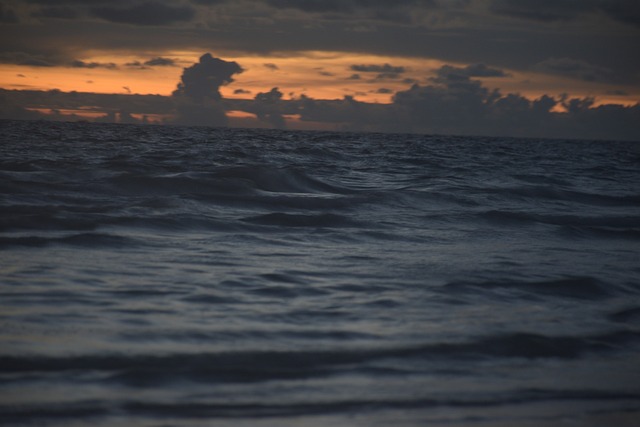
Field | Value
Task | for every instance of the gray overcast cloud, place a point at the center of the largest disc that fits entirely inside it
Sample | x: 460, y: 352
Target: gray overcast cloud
x: 504, y: 33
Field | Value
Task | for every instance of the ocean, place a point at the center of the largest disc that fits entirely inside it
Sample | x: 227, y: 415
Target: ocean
x: 184, y: 276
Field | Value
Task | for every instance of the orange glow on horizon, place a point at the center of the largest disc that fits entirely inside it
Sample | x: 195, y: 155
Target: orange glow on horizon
x: 318, y: 75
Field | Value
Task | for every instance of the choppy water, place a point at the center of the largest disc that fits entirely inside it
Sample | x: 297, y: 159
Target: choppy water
x: 163, y: 276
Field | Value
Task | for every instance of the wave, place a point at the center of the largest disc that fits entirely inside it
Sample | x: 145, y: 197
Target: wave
x: 225, y: 180
x: 584, y: 288
x: 299, y: 273
x: 603, y: 226
x: 83, y: 240
x: 297, y: 220
x: 257, y: 410
x: 543, y: 192
x: 259, y: 366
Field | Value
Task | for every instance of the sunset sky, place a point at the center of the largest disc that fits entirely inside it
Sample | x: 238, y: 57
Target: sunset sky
x: 369, y: 51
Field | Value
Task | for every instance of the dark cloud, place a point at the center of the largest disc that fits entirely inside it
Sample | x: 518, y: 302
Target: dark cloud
x: 155, y: 62
x: 78, y: 2
x: 271, y: 66
x: 541, y: 10
x: 28, y: 59
x: 482, y: 70
x: 203, y: 80
x: 448, y: 72
x: 8, y: 16
x: 460, y: 106
x: 241, y: 92
x: 492, y: 35
x: 384, y: 90
x: 209, y: 2
x: 340, y: 5
x: 160, y: 62
x: 374, y: 68
x: 347, y: 114
x: 466, y: 107
x: 197, y: 97
x: 136, y: 64
x: 147, y: 13
x: 466, y: 32
x: 83, y: 64
x: 385, y: 71
x: 57, y: 13
x: 626, y: 11
x: 575, y: 69
x: 268, y: 107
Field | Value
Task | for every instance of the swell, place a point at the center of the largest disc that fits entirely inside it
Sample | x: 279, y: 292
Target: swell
x: 298, y: 220
x: 82, y: 240
x: 259, y: 410
x: 604, y: 226
x: 576, y: 287
x: 259, y: 366
x: 539, y: 192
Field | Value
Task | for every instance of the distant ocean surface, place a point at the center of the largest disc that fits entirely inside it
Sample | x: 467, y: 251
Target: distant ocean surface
x: 176, y: 276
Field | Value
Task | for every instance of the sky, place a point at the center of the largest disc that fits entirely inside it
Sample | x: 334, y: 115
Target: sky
x: 541, y: 68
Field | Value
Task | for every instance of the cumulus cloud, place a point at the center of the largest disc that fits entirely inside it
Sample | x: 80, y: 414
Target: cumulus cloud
x: 457, y: 104
x: 203, y: 80
x: 147, y: 13
x: 347, y: 114
x: 454, y: 102
x: 268, y: 107
x: 198, y: 97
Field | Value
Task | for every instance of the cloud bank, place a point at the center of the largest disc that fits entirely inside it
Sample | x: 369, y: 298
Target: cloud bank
x: 521, y: 35
x: 454, y: 102
x: 197, y: 97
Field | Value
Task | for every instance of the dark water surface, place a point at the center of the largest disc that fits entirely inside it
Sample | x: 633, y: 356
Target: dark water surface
x: 163, y: 276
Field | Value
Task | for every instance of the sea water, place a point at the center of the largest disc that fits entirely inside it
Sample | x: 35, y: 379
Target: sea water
x: 176, y: 276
